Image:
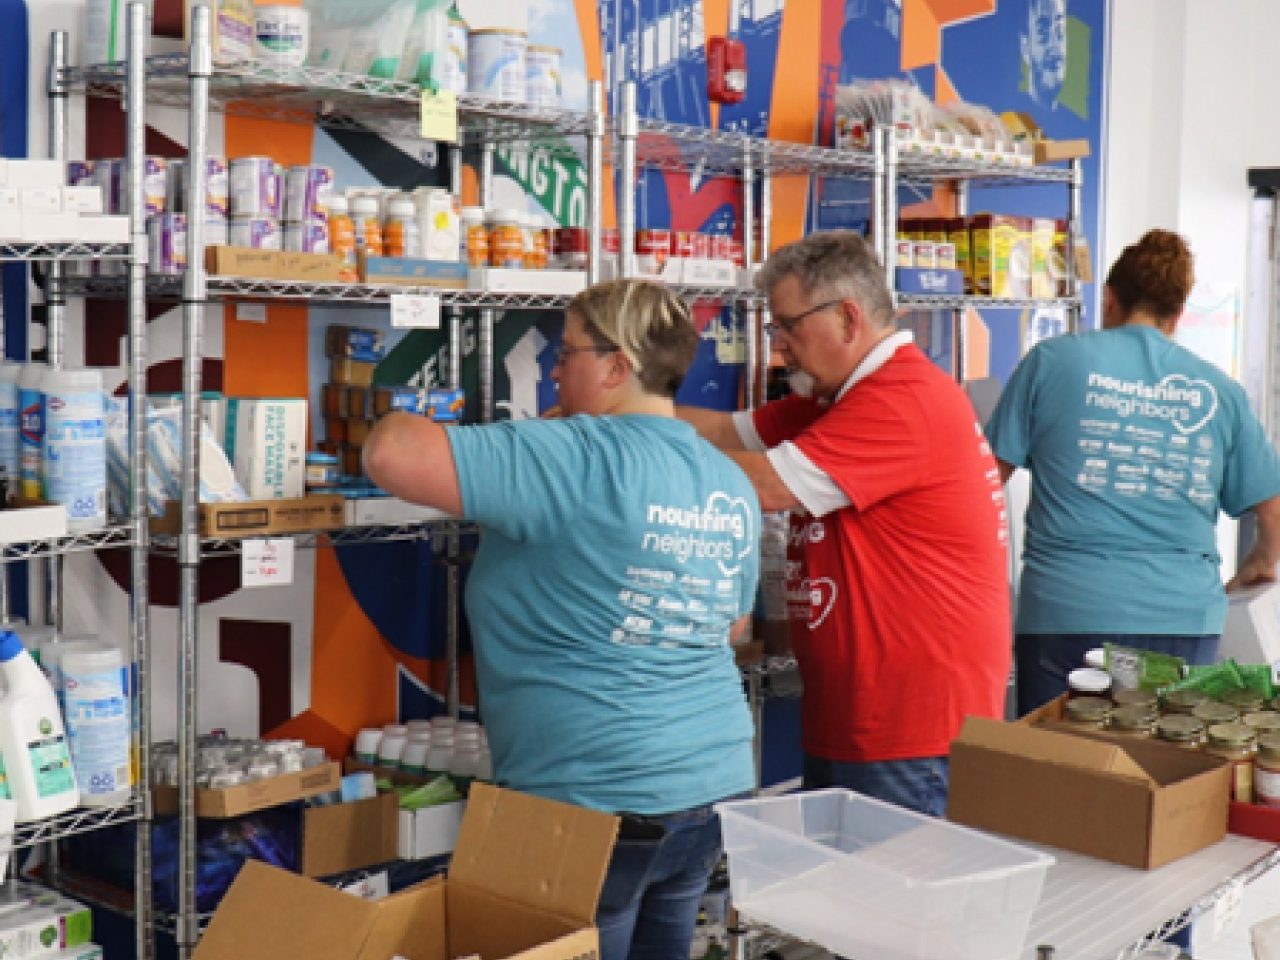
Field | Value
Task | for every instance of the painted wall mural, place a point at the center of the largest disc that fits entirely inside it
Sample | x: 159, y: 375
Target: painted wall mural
x: 358, y: 639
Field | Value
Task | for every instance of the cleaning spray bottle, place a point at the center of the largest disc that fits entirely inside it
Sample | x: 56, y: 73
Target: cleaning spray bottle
x: 33, y: 742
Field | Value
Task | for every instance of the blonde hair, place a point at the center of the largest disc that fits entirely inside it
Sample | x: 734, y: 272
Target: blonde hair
x: 649, y: 324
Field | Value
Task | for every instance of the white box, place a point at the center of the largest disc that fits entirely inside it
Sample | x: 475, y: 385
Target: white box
x: 389, y: 511
x: 82, y: 199
x: 867, y: 879
x: 50, y: 227
x: 708, y: 273
x: 267, y: 443
x: 10, y: 227
x: 10, y: 200
x: 40, y: 200
x: 430, y: 831
x: 501, y: 280
x: 44, y: 930
x: 104, y: 229
x: 36, y: 173
x: 25, y: 524
x: 1252, y: 631
x: 4, y: 172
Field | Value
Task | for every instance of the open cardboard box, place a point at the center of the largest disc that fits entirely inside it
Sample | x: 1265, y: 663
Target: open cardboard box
x: 247, y: 797
x: 1134, y: 802
x: 524, y: 881
x: 1024, y: 128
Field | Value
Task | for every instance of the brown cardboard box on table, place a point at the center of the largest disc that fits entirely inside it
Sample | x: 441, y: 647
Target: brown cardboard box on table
x: 1136, y: 802
x: 524, y: 881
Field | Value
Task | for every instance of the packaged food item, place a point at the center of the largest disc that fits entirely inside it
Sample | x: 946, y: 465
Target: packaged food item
x: 259, y: 233
x: 506, y: 238
x: 496, y: 63
x: 906, y: 253
x: 438, y: 223
x: 473, y: 238
x: 925, y: 253
x: 255, y: 187
x: 358, y: 343
x: 571, y: 248
x: 342, y: 238
x: 308, y: 191
x: 281, y: 35
x: 1044, y: 284
x: 1237, y: 743
x: 452, y: 75
x: 653, y: 250
x: 216, y: 191
x: 1133, y: 669
x: 232, y: 29
x: 401, y: 236
x: 536, y: 246
x: 1058, y: 268
x: 307, y: 236
x: 367, y: 225
x: 946, y: 255
x: 1001, y: 250
x: 958, y: 237
x: 542, y: 76
x: 167, y: 244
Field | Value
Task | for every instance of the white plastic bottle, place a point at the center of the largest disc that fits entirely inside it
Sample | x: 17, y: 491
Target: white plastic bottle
x: 33, y: 742
x: 95, y: 693
x: 75, y: 446
x: 31, y: 429
x: 10, y: 445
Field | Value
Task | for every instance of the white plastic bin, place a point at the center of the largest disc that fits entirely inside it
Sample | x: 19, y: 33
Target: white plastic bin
x: 872, y: 881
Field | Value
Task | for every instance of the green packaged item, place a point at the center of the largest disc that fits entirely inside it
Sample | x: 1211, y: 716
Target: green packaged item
x: 1214, y: 681
x: 1132, y: 669
x: 1258, y: 677
x: 438, y: 791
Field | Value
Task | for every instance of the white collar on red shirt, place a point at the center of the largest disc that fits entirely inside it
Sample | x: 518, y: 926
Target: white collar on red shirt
x: 875, y: 359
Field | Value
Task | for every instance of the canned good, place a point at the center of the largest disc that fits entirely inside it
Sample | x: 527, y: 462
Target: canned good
x: 216, y: 197
x: 721, y: 247
x: 653, y: 249
x: 946, y: 256
x: 307, y: 236
x: 111, y: 175
x: 308, y: 192
x: 80, y: 173
x: 496, y: 64
x: 571, y: 247
x: 453, y: 73
x: 167, y: 243
x: 281, y: 35
x: 610, y: 241
x: 255, y: 187
x: 925, y: 253
x: 259, y: 233
x: 542, y: 76
x: 906, y: 255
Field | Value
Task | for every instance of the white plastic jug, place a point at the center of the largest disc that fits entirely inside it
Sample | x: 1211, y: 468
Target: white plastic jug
x: 33, y: 742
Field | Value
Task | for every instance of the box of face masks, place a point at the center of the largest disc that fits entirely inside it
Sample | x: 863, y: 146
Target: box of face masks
x: 267, y: 444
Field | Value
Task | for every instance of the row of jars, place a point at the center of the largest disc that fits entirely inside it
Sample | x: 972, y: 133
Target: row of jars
x: 1238, y: 727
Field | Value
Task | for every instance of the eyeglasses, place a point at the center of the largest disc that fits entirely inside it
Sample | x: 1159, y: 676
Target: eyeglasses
x: 788, y: 325
x: 564, y: 353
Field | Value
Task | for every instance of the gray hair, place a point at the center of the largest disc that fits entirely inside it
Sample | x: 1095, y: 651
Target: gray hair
x: 838, y: 263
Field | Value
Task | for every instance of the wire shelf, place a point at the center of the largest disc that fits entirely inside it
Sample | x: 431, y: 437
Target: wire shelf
x: 223, y: 289
x: 63, y: 251
x: 315, y: 539
x: 79, y: 820
x: 333, y: 99
x: 114, y: 536
x: 922, y: 301
x: 919, y: 168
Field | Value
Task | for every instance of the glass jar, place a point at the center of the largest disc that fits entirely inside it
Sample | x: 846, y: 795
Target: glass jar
x: 1134, y: 721
x: 1093, y: 712
x: 1235, y: 742
x: 1184, y: 701
x: 1266, y: 786
x: 506, y: 239
x: 474, y: 237
x: 1137, y: 698
x: 1263, y: 721
x: 1181, y: 730
x: 1088, y: 682
x: 1096, y: 658
x: 401, y: 236
x: 1211, y: 712
x: 1246, y: 701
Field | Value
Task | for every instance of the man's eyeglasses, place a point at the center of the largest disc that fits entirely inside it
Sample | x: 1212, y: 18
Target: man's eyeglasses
x: 788, y: 325
x: 564, y: 353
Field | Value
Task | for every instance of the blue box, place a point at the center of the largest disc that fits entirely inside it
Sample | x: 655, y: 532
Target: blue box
x: 404, y: 271
x: 358, y: 343
x: 931, y: 282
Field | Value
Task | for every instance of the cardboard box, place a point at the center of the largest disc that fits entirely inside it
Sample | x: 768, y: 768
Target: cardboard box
x: 104, y: 229
x: 1053, y: 151
x: 403, y: 271
x: 351, y: 373
x: 310, y: 267
x: 389, y: 511
x: 430, y: 831
x: 38, y: 227
x: 1252, y: 631
x: 242, y: 262
x: 35, y: 173
x: 500, y: 280
x: 82, y: 200
x: 349, y: 836
x: 41, y: 200
x: 266, y: 440
x: 1134, y: 802
x: 255, y: 518
x: 33, y: 520
x: 358, y: 343
x: 247, y: 797
x: 524, y: 880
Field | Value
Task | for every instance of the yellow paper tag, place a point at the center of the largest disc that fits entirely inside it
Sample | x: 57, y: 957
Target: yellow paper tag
x: 442, y: 221
x: 439, y: 116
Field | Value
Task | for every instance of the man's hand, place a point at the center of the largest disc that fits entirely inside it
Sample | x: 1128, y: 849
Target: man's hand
x: 1259, y: 566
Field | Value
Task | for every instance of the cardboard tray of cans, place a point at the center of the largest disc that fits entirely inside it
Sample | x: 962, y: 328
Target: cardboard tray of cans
x: 225, y: 802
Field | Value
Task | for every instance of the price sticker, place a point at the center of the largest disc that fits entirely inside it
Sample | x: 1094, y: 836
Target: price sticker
x: 267, y: 563
x: 438, y: 116
x: 1227, y: 909
x: 251, y: 312
x: 418, y: 310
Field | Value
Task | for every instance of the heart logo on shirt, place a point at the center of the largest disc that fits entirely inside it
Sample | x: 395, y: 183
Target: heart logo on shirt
x: 738, y: 511
x: 1183, y: 384
x: 822, y: 598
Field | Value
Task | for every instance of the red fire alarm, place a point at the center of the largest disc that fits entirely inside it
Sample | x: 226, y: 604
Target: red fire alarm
x: 726, y: 70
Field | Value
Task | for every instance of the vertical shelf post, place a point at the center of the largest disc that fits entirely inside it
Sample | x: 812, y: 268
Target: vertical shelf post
x: 628, y: 136
x: 595, y: 177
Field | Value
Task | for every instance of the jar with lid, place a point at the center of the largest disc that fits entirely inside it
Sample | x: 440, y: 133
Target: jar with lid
x: 342, y: 238
x: 1096, y: 658
x: 1093, y: 712
x: 1134, y: 721
x: 474, y: 247
x: 366, y: 224
x: 1137, y: 698
x: 1266, y: 786
x: 1181, y: 730
x: 1088, y: 682
x: 506, y: 238
x: 1211, y: 712
x: 402, y: 237
x: 1184, y: 701
x: 537, y: 256
x: 1245, y: 701
x: 1235, y: 742
x: 1263, y: 721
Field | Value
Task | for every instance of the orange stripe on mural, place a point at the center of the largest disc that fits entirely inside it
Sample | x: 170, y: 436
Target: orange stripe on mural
x: 792, y: 113
x: 593, y: 57
x: 715, y: 23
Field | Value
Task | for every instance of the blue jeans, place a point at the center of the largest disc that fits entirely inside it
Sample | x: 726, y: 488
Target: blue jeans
x: 653, y: 890
x: 919, y: 784
x: 1043, y: 660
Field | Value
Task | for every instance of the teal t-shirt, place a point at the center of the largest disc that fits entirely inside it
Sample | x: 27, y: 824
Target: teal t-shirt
x: 1134, y: 446
x: 617, y: 553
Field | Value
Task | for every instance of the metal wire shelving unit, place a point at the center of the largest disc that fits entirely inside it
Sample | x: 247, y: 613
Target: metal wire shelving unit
x: 62, y: 252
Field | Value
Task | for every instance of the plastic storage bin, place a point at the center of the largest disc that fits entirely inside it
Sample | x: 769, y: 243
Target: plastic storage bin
x: 872, y: 881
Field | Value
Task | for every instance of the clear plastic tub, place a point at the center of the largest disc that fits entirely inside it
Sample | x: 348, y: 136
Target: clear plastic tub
x: 872, y: 881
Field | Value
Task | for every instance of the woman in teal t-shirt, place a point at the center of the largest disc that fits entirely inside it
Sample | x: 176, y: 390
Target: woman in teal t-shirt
x: 1135, y: 445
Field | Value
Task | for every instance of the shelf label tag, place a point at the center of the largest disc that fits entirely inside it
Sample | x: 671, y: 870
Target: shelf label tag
x: 267, y: 563
x: 438, y: 114
x: 1227, y: 909
x: 418, y: 310
x: 251, y: 312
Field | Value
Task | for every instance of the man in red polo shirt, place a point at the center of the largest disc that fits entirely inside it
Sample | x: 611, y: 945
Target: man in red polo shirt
x: 897, y: 572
